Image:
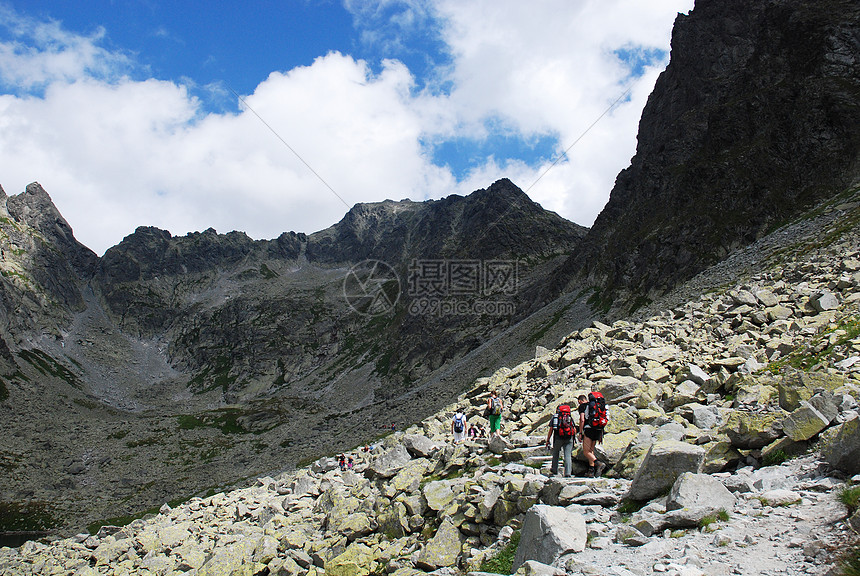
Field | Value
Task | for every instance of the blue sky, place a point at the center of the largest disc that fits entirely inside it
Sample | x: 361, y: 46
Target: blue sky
x: 124, y: 110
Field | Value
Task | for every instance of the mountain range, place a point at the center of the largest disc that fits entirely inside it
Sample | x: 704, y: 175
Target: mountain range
x: 173, y: 366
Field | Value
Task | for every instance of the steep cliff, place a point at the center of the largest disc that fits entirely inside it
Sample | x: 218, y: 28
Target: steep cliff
x: 756, y: 118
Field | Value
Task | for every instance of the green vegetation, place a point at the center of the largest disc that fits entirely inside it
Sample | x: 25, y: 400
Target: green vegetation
x: 774, y: 458
x: 26, y: 517
x: 49, y: 367
x: 807, y: 357
x: 533, y: 338
x: 628, y: 506
x: 639, y: 302
x: 850, y: 497
x: 849, y: 562
x: 721, y: 516
x: 225, y: 419
x: 216, y: 375
x: 503, y: 562
x: 599, y: 302
x: 457, y: 473
x: 267, y: 272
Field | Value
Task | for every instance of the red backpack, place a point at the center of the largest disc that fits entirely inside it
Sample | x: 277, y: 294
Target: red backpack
x: 596, y: 410
x: 566, y: 426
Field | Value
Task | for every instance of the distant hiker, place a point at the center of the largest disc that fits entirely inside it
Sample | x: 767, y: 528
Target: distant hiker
x: 458, y: 426
x: 561, y: 434
x: 342, y: 462
x: 494, y: 413
x: 473, y: 431
x: 592, y: 423
x: 349, y: 463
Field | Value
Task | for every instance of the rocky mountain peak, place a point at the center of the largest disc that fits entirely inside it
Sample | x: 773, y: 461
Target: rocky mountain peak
x: 754, y: 120
x: 34, y: 208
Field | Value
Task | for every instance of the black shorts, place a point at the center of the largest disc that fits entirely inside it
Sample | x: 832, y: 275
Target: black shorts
x: 595, y: 434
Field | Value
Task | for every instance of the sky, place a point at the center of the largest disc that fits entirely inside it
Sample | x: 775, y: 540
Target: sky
x: 275, y: 116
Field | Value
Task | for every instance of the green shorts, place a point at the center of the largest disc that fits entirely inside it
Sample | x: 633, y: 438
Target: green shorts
x: 495, y: 422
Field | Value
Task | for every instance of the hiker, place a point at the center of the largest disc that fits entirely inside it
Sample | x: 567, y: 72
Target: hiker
x: 494, y: 414
x: 458, y: 426
x: 342, y: 462
x: 349, y: 463
x: 591, y: 425
x: 561, y: 434
x: 473, y: 431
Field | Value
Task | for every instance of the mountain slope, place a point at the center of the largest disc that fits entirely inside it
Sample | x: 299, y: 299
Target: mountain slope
x: 176, y: 364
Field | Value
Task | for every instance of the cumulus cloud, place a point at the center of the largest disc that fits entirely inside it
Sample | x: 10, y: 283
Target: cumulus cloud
x: 116, y: 150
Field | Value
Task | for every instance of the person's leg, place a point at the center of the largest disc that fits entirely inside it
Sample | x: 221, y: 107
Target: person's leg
x: 556, y: 447
x: 588, y: 450
x: 568, y: 457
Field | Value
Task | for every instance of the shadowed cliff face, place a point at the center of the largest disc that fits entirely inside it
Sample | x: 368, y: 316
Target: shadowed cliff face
x: 755, y: 119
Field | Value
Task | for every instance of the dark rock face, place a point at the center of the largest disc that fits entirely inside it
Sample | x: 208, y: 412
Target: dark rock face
x: 499, y: 222
x: 43, y: 266
x: 755, y: 118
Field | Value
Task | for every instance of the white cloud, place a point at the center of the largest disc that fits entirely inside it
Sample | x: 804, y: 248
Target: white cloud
x: 116, y: 153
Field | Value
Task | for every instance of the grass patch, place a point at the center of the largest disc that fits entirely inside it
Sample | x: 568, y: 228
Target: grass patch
x: 226, y: 420
x: 216, y: 375
x: 49, y: 367
x: 533, y: 338
x: 774, y: 458
x: 819, y: 348
x: 850, y: 497
x: 267, y: 272
x: 721, y: 516
x: 628, y: 506
x: 457, y: 473
x: 849, y: 563
x: 503, y: 562
x: 26, y: 517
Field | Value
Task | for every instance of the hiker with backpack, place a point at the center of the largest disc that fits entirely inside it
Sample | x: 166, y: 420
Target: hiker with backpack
x: 458, y: 426
x: 591, y: 425
x: 494, y: 413
x: 562, y: 431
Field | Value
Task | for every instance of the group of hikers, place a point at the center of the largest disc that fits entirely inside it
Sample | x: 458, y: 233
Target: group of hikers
x: 493, y: 412
x: 564, y: 429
